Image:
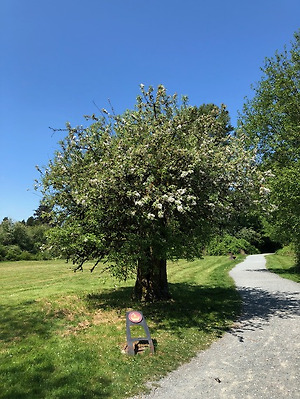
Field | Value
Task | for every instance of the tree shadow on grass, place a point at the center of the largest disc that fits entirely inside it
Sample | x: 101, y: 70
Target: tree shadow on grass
x: 204, y: 308
x: 19, y: 321
x: 38, y: 382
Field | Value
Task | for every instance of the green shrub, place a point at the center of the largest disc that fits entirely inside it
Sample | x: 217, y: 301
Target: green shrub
x: 287, y: 250
x: 13, y: 252
x: 222, y: 245
x: 2, y: 252
x: 43, y: 255
x: 25, y: 255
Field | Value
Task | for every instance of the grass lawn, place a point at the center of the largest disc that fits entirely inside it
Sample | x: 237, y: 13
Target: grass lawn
x: 61, y: 333
x: 284, y: 266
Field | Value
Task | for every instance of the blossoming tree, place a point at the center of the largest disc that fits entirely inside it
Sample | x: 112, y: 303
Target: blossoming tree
x: 152, y: 184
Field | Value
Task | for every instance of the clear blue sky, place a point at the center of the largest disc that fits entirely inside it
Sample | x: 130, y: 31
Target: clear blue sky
x: 58, y: 56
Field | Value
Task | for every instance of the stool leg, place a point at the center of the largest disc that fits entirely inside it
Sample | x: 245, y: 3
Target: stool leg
x: 151, y: 346
x: 130, y: 348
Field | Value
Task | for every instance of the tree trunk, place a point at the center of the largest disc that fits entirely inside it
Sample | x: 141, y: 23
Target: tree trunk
x: 151, y: 281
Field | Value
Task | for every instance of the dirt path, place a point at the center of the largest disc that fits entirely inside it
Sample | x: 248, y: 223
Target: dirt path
x: 259, y: 357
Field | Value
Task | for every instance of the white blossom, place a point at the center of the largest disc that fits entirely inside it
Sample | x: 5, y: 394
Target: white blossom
x: 160, y: 214
x: 170, y: 198
x: 264, y: 190
x: 141, y: 201
x: 184, y: 173
x: 94, y: 181
x: 150, y: 216
x: 191, y: 198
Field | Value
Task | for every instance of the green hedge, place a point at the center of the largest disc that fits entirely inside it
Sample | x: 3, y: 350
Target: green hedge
x: 14, y: 253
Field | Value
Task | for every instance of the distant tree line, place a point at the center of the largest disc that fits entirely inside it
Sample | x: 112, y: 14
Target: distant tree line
x: 24, y: 240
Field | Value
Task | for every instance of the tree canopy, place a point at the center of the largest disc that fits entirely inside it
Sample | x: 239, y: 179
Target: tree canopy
x: 271, y: 120
x: 151, y: 184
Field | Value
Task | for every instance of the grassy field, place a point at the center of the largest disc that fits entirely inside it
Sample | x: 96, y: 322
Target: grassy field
x: 62, y: 333
x: 284, y: 266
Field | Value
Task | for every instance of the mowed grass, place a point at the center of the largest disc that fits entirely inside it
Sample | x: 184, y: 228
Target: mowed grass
x: 284, y: 266
x: 62, y: 333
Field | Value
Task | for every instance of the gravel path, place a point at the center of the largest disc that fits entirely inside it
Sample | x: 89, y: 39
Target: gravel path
x: 259, y: 357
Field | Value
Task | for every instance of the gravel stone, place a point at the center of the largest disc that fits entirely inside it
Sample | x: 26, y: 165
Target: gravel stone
x: 258, y: 357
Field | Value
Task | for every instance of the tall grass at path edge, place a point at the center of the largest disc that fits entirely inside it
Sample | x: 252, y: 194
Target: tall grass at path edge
x: 284, y: 266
